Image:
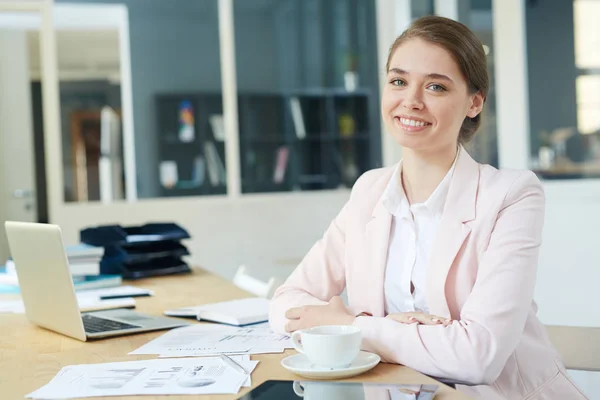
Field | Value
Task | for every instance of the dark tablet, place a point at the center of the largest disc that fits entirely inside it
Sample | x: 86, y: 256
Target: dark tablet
x: 327, y: 390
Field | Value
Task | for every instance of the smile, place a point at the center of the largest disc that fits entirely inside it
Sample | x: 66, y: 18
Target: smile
x: 411, y: 124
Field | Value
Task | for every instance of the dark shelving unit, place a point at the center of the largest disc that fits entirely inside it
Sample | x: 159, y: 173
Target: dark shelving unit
x: 334, y: 148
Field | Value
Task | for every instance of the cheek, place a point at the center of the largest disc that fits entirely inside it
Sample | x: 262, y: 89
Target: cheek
x: 389, y: 101
x: 451, y: 112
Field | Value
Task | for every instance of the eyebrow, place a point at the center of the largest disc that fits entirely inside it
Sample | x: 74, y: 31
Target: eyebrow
x: 430, y: 76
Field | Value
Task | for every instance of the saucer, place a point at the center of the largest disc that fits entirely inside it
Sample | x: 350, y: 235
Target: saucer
x: 300, y: 365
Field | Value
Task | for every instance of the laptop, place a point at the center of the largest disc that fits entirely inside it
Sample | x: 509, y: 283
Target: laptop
x: 48, y: 293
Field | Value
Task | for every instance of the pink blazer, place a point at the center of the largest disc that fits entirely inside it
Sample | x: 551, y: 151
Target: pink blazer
x: 482, y: 275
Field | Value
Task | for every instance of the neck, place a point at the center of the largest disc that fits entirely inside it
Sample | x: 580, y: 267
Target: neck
x: 422, y: 172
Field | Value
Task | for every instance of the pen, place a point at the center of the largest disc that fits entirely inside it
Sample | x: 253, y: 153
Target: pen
x: 233, y: 364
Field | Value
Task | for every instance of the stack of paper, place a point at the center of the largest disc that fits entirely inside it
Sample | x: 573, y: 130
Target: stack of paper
x: 210, y: 339
x: 148, y: 377
x: 86, y: 303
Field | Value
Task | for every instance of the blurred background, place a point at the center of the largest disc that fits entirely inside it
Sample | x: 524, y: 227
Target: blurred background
x: 248, y: 121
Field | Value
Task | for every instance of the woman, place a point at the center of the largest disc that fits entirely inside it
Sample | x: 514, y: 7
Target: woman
x: 439, y: 253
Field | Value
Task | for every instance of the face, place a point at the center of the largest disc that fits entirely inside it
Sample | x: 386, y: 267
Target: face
x: 426, y: 99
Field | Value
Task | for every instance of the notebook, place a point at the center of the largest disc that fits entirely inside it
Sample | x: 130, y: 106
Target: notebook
x: 252, y: 310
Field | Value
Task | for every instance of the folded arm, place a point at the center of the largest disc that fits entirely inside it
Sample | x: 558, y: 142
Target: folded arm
x: 476, y: 347
x: 319, y: 277
x: 322, y: 273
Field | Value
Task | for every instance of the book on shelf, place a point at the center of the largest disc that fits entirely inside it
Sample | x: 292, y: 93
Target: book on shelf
x: 215, y: 167
x: 168, y: 174
x: 241, y: 312
x: 218, y: 126
x: 86, y: 282
x: 281, y: 163
x: 297, y: 117
x: 83, y: 250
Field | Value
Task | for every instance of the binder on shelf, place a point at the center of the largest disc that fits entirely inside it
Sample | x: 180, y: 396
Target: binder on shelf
x: 155, y: 267
x: 115, y: 234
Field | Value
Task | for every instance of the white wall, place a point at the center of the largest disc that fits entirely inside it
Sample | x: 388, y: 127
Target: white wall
x: 569, y: 268
x: 16, y: 133
x: 268, y: 233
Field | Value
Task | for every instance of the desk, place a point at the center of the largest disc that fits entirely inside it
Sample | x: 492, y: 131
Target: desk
x: 31, y: 356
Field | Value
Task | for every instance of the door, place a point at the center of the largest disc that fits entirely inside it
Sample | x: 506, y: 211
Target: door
x: 17, y: 177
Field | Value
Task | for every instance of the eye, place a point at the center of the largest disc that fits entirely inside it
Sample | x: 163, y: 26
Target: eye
x: 437, y: 88
x: 398, y: 82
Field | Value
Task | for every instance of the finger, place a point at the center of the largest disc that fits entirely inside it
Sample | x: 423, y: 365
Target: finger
x: 402, y: 317
x: 442, y: 320
x: 426, y: 319
x: 292, y: 325
x: 294, y: 313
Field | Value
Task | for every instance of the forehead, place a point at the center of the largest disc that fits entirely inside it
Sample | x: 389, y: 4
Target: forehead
x: 417, y: 56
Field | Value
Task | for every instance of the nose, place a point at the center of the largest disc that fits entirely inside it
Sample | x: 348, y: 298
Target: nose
x: 413, y: 99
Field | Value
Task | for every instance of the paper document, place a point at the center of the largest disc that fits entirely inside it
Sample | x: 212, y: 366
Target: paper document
x: 148, y: 377
x: 211, y: 339
x: 86, y: 303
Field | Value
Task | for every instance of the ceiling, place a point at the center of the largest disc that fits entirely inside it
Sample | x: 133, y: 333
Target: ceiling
x: 81, y: 55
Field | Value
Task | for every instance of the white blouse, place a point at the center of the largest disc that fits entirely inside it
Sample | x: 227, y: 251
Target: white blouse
x: 413, y: 231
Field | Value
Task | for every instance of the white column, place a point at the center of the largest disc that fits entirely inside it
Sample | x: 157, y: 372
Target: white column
x: 230, y: 105
x: 127, y: 107
x: 457, y: 10
x: 51, y: 112
x: 512, y: 98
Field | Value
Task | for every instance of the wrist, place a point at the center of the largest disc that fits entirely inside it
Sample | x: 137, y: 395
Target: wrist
x: 349, y: 319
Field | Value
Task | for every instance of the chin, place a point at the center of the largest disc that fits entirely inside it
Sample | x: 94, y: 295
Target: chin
x: 412, y: 141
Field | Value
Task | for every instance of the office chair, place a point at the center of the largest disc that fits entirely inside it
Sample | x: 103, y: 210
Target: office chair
x: 253, y: 285
x: 578, y: 346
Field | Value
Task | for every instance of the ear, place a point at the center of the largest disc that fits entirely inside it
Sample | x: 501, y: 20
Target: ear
x: 476, y: 105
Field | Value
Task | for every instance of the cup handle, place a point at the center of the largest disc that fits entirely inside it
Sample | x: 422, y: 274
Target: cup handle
x: 296, y: 342
x: 298, y: 389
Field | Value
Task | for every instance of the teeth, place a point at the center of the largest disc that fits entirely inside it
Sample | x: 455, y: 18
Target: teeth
x: 412, y: 122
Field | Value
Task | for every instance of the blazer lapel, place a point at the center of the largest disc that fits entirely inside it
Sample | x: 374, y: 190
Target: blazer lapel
x: 377, y: 236
x: 452, y: 231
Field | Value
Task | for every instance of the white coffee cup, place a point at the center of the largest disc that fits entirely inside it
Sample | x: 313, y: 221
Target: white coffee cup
x: 332, y: 346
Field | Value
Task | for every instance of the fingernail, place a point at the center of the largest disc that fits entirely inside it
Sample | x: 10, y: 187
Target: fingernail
x: 411, y: 319
x: 435, y: 320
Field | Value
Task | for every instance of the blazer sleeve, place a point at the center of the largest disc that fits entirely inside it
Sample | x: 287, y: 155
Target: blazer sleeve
x: 476, y: 348
x: 319, y: 277
x: 322, y: 273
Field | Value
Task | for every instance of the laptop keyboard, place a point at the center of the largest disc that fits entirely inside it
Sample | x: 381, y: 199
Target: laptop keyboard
x: 93, y: 324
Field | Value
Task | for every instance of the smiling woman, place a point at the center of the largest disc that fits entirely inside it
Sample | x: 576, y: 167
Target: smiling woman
x: 438, y: 253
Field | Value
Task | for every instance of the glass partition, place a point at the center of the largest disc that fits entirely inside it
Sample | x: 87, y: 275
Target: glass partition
x: 564, y: 88
x: 308, y: 95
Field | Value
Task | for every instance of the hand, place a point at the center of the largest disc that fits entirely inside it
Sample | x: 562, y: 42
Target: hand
x: 420, y: 318
x: 333, y: 313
